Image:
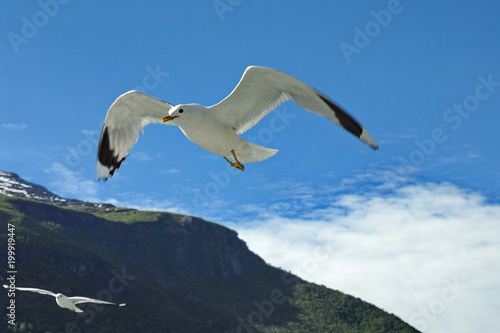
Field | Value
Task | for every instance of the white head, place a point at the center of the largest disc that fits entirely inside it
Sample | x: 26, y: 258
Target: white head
x: 59, y: 295
x: 183, y: 113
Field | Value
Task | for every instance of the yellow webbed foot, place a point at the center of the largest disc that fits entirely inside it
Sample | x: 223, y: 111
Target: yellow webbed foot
x: 237, y: 164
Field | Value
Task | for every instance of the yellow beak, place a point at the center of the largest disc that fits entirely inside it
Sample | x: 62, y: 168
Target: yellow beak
x: 168, y: 118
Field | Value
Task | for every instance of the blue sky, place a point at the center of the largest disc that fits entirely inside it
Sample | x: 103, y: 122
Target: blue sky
x: 422, y: 77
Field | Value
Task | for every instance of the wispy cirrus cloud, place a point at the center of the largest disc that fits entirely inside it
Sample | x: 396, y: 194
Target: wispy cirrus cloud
x: 15, y: 127
x: 142, y: 156
x: 170, y: 171
x: 390, y: 138
x: 146, y: 202
x: 71, y: 184
x: 462, y: 156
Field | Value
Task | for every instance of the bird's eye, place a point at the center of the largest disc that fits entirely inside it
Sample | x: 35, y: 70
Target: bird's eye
x: 181, y: 111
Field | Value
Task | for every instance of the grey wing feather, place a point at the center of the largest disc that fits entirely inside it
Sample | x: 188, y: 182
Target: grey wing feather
x: 35, y: 290
x: 261, y: 90
x: 78, y: 300
x: 125, y: 120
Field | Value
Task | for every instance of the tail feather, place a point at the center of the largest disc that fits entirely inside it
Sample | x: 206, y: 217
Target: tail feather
x: 76, y: 309
x: 248, y: 152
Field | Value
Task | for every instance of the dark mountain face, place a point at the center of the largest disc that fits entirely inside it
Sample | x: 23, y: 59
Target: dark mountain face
x: 176, y: 273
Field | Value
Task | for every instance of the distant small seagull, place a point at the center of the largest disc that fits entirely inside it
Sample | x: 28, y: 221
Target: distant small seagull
x: 216, y: 127
x: 66, y: 302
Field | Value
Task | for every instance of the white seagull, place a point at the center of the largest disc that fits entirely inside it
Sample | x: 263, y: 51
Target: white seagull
x: 64, y: 301
x: 216, y: 128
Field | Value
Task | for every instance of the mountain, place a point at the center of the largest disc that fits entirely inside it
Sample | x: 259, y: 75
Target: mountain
x: 13, y: 185
x: 176, y: 273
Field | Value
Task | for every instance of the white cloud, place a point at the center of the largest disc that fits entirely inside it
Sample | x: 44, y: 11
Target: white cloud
x: 17, y: 127
x: 460, y: 157
x: 170, y: 171
x: 89, y: 133
x: 142, y: 156
x: 427, y: 252
x: 142, y: 202
x: 390, y: 138
x: 71, y: 184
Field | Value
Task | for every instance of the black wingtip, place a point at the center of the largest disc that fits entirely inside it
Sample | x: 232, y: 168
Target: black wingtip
x: 346, y: 120
x: 106, y: 156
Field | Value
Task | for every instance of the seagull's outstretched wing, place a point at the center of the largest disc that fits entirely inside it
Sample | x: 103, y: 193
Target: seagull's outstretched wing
x: 125, y: 119
x: 35, y: 290
x: 78, y: 300
x: 261, y: 90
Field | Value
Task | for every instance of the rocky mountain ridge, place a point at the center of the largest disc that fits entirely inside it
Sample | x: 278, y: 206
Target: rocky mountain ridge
x: 13, y: 185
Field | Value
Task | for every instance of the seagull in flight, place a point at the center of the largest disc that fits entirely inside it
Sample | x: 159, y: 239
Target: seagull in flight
x: 216, y: 128
x: 64, y: 301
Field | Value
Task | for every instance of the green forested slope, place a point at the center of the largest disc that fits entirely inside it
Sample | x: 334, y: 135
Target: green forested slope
x: 176, y: 273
